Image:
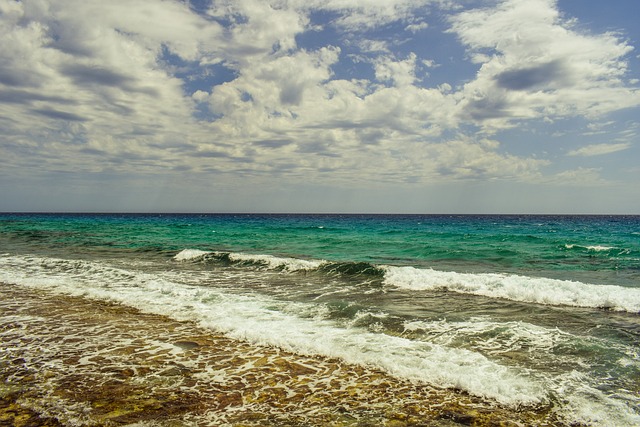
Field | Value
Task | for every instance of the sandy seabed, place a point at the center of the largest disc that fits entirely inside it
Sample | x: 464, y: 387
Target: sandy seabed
x: 70, y: 361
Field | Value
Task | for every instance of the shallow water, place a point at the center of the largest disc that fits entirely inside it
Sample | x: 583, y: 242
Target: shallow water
x: 71, y: 361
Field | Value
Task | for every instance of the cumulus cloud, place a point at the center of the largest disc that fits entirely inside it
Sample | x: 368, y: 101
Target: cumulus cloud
x: 97, y: 62
x: 400, y: 73
x: 114, y: 87
x: 535, y: 64
x: 466, y: 158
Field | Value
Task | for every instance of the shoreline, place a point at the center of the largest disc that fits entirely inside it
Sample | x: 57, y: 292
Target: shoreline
x: 70, y: 361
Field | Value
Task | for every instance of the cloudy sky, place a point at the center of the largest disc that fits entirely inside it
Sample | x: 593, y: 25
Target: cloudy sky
x: 426, y: 106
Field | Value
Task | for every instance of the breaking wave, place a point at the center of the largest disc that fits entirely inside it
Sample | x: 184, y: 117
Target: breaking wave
x: 265, y: 321
x: 537, y: 290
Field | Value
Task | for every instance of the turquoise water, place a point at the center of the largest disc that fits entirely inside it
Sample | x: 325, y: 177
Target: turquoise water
x: 523, y: 310
x: 605, y: 246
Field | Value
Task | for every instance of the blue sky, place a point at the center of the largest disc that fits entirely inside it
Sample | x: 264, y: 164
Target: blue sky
x: 421, y: 106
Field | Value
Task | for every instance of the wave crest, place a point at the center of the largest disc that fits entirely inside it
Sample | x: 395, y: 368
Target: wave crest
x: 536, y: 290
x: 282, y: 263
x: 190, y: 255
x: 595, y: 248
x: 268, y: 261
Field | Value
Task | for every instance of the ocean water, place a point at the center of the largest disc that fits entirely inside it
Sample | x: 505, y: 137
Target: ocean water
x: 519, y: 312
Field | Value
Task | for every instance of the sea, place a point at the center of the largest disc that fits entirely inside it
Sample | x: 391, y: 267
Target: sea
x: 326, y: 319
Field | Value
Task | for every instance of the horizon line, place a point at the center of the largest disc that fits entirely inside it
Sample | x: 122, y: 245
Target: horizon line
x: 305, y: 213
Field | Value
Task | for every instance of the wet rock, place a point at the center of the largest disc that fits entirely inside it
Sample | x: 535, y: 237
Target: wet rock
x: 174, y: 371
x: 458, y: 417
x: 125, y: 373
x: 19, y: 361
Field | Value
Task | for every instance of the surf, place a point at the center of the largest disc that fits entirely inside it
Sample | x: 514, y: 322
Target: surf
x: 512, y: 287
x: 305, y: 328
x: 263, y: 321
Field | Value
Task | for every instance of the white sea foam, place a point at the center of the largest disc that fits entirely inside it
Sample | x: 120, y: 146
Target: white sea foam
x: 537, y: 290
x: 269, y: 261
x: 600, y: 248
x: 190, y: 254
x: 266, y: 321
x: 493, y: 337
x: 261, y: 320
x: 584, y: 405
x: 594, y: 248
x: 290, y: 264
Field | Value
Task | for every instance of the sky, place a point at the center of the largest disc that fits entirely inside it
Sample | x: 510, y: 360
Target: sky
x: 345, y: 106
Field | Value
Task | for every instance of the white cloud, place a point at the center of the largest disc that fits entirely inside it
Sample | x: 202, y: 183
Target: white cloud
x: 599, y: 149
x: 400, y: 73
x: 374, y: 46
x: 534, y: 64
x: 598, y: 127
x: 86, y: 88
x: 415, y: 28
x: 258, y: 28
x: 464, y: 158
x: 109, y: 86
